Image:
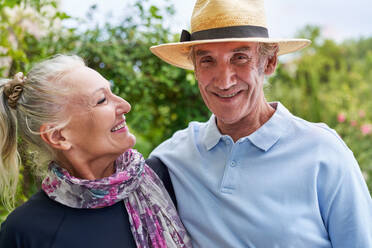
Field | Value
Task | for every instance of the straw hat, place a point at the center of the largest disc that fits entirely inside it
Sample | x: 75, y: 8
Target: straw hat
x: 223, y: 21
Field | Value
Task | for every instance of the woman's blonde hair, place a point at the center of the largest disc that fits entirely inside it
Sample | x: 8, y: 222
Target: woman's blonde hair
x: 42, y: 100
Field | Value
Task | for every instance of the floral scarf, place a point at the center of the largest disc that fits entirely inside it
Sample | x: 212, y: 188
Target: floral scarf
x: 153, y: 217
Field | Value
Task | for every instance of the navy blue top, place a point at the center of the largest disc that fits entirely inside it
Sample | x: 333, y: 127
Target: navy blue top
x: 44, y: 223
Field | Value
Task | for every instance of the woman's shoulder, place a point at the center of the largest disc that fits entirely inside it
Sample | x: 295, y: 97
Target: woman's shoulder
x: 42, y: 222
x: 37, y: 218
x: 39, y: 205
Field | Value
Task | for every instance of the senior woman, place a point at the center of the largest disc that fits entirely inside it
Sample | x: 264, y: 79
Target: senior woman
x: 98, y: 192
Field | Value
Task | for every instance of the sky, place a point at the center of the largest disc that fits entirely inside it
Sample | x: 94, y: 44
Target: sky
x: 339, y: 19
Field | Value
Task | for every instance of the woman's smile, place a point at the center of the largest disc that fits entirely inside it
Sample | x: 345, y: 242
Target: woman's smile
x: 121, y: 127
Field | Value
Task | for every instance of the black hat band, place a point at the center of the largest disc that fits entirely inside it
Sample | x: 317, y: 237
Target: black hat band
x: 245, y: 31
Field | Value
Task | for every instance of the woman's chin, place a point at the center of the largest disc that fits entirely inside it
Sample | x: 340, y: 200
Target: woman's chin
x: 130, y: 142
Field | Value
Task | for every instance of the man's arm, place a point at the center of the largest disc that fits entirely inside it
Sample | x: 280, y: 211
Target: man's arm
x: 345, y: 203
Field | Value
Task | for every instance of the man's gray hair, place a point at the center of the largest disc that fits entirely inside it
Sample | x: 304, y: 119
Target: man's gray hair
x: 268, y: 49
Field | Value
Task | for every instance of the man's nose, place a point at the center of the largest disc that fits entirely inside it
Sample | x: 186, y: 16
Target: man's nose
x: 226, y: 77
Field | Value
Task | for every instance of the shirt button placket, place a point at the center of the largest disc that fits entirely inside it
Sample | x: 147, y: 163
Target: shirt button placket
x: 233, y: 163
x: 230, y: 174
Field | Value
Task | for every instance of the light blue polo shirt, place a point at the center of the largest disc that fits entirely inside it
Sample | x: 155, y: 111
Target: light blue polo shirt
x: 291, y: 183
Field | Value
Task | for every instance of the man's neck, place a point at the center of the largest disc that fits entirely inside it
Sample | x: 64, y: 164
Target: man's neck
x: 248, y: 124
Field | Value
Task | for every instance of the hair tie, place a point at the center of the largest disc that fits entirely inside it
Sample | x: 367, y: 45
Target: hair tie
x: 14, y: 88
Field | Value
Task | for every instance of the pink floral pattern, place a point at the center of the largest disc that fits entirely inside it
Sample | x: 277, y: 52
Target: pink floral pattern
x: 153, y: 217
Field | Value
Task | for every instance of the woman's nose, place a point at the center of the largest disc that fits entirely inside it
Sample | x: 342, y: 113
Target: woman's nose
x: 123, y: 106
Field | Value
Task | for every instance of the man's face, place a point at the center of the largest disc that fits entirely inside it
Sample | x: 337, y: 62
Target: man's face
x: 230, y: 79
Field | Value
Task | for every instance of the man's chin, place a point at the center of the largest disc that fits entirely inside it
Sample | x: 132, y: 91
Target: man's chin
x: 227, y: 119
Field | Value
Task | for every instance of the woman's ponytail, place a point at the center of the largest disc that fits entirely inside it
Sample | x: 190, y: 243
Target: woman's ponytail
x: 9, y: 162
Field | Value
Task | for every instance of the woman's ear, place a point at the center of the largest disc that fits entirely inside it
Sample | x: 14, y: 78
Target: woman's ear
x: 271, y: 64
x: 54, y: 137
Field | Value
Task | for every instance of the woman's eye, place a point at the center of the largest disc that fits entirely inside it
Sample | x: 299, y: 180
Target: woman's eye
x: 101, y: 101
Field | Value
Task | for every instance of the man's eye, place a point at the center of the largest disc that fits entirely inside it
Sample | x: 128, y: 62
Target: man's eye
x: 101, y: 101
x: 206, y: 60
x: 240, y: 58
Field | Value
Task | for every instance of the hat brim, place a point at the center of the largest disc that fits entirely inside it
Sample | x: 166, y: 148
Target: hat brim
x: 177, y: 54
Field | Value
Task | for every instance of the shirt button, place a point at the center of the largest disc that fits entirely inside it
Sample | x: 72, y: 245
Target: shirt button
x: 227, y: 142
x: 232, y: 163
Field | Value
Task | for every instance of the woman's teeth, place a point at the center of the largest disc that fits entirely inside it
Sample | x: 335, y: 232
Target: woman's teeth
x: 122, y: 125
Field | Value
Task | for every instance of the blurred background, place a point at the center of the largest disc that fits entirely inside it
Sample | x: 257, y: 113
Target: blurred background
x: 328, y: 82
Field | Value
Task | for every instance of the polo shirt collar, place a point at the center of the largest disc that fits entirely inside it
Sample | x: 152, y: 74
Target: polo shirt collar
x: 263, y: 138
x: 212, y: 135
x: 271, y: 131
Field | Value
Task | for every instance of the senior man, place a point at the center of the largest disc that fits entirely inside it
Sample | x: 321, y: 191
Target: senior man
x: 254, y: 175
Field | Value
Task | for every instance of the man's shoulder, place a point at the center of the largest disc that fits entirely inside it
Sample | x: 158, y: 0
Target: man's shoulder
x: 322, y: 145
x: 319, y: 133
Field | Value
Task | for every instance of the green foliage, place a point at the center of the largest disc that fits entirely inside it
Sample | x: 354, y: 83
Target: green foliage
x: 9, y: 3
x: 330, y: 83
x: 22, y: 24
x: 163, y: 98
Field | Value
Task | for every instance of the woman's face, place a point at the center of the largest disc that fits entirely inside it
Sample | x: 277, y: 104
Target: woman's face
x: 97, y: 128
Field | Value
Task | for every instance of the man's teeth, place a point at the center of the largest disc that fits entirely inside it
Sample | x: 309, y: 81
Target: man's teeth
x: 227, y: 96
x: 122, y: 125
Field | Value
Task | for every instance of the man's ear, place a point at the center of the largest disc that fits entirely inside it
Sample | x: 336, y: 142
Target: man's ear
x: 54, y: 138
x: 271, y: 64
